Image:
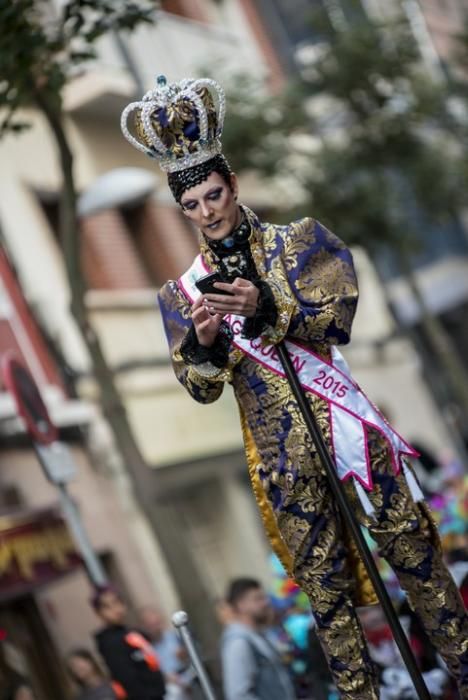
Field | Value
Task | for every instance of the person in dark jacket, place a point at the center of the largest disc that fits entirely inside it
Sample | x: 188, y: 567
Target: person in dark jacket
x: 127, y: 653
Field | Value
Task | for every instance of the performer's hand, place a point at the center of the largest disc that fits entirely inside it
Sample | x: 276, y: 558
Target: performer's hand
x: 241, y: 300
x: 206, y: 324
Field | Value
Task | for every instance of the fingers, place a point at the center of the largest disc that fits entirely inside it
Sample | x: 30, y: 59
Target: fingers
x: 243, y: 303
x: 223, y: 303
x: 225, y: 287
x: 224, y: 299
x: 221, y: 299
x: 204, y: 316
x: 199, y: 314
x: 198, y: 303
x: 239, y: 282
x: 238, y: 306
x: 208, y: 323
x: 240, y: 298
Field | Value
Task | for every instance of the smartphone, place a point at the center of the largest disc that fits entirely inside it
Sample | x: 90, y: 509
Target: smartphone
x: 205, y: 284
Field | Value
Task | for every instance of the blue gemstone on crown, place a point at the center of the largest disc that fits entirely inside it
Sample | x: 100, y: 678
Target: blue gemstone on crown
x: 161, y: 80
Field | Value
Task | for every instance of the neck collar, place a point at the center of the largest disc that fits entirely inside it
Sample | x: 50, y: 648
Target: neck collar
x: 212, y: 258
x: 237, y: 240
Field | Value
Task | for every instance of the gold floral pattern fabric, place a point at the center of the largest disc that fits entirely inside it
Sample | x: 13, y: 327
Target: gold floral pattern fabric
x: 311, y: 275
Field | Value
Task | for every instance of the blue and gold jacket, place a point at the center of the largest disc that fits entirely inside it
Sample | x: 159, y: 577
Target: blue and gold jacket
x: 310, y: 273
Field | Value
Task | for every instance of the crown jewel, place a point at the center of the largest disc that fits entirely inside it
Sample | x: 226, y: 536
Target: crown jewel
x: 179, y: 124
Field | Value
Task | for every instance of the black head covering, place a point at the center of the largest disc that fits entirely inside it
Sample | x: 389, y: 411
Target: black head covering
x: 183, y: 180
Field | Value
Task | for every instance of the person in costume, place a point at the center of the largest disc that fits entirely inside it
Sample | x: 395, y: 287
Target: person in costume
x: 294, y: 283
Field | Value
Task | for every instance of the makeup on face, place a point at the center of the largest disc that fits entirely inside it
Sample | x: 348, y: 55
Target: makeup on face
x: 212, y: 206
x: 213, y: 195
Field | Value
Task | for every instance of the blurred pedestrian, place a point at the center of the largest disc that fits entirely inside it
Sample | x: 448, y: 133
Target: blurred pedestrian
x: 88, y: 676
x: 13, y: 685
x: 252, y: 667
x: 128, y: 654
x: 427, y: 469
x: 171, y: 653
x: 223, y: 611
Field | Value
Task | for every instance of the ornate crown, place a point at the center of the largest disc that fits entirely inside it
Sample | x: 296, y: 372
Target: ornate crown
x: 180, y: 124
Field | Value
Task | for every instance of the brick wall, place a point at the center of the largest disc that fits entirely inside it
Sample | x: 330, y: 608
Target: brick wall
x: 137, y: 248
x: 166, y: 241
x: 109, y: 257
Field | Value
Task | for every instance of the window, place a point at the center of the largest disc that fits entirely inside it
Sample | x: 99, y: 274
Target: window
x: 132, y: 248
x: 10, y: 496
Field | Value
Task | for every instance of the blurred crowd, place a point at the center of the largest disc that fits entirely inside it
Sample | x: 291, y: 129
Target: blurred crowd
x: 268, y: 647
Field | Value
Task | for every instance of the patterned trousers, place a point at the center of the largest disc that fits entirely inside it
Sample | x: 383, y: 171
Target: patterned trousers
x: 313, y: 531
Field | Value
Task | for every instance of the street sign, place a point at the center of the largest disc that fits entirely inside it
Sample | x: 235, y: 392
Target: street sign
x: 55, y: 458
x: 29, y: 403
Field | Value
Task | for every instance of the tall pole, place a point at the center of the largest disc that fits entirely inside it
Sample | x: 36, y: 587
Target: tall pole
x: 59, y: 468
x: 180, y: 622
x: 352, y: 523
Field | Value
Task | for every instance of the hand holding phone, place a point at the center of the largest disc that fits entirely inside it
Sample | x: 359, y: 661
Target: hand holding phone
x: 206, y: 284
x: 239, y: 297
x: 206, y: 324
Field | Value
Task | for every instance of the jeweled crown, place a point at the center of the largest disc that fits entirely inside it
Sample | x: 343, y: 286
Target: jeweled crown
x: 179, y: 124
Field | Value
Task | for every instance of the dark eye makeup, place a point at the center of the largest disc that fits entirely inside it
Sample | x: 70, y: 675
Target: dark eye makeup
x: 189, y: 205
x: 213, y: 195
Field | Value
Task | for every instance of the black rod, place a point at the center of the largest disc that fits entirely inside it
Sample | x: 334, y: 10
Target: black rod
x: 348, y: 515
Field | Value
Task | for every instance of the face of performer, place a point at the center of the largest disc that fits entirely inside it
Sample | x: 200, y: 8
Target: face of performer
x: 212, y: 206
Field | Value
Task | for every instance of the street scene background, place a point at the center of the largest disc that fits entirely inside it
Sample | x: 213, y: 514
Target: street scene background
x: 354, y: 112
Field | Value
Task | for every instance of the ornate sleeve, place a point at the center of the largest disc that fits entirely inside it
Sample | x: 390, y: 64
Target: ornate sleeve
x: 266, y: 314
x: 314, y: 285
x: 218, y: 354
x: 204, y: 381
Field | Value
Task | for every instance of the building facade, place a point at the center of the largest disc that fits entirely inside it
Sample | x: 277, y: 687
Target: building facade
x: 44, y: 591
x: 195, y: 487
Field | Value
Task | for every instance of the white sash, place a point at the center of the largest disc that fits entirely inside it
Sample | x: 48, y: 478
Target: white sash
x: 350, y: 409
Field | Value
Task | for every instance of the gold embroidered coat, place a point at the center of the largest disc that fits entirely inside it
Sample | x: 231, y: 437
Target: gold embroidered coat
x: 311, y: 274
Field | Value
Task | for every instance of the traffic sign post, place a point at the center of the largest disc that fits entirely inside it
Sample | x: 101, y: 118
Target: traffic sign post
x: 55, y: 458
x: 29, y: 403
x: 57, y: 462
